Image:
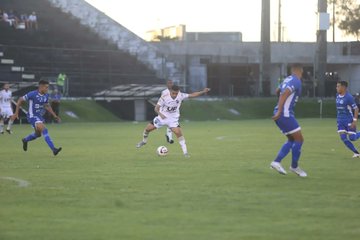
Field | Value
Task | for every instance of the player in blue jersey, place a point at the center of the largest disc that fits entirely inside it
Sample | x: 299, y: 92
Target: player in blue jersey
x: 346, y: 120
x: 38, y: 103
x: 290, y: 91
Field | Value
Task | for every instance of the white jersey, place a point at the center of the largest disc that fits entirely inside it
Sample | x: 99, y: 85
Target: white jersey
x: 5, y: 99
x: 171, y: 107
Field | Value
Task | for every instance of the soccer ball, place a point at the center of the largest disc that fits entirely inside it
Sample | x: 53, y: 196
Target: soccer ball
x: 162, y: 151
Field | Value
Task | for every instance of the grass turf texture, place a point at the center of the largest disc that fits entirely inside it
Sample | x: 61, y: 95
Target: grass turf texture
x: 101, y: 187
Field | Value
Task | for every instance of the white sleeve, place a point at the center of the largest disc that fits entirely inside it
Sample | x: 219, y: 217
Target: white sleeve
x: 184, y: 96
x: 160, y: 101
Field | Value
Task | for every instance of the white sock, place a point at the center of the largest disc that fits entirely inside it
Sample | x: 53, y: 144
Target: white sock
x: 10, y: 124
x: 145, y: 136
x: 169, y: 133
x: 183, y: 144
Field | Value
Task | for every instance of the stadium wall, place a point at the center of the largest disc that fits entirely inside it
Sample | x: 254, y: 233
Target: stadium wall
x: 198, y: 57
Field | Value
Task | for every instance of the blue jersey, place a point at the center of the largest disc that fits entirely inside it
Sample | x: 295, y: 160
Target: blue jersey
x: 344, y: 106
x: 294, y: 85
x: 37, y: 102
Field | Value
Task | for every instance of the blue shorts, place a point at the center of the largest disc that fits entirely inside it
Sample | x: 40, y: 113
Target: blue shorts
x: 34, y: 120
x: 288, y: 125
x: 344, y: 126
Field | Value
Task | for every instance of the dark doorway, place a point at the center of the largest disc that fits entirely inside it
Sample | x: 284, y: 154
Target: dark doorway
x: 231, y: 80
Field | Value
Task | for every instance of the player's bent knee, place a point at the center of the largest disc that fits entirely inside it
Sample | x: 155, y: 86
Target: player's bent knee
x: 352, y: 137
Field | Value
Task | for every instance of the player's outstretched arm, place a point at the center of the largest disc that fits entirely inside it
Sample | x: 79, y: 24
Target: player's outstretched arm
x: 51, y: 111
x: 198, y: 94
x: 17, y: 109
x: 281, y: 103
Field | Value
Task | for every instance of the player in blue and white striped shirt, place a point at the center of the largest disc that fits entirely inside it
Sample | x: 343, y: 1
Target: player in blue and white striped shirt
x: 38, y: 104
x: 346, y: 120
x: 290, y: 91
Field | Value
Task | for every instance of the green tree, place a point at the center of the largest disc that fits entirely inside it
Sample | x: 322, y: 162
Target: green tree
x: 348, y: 16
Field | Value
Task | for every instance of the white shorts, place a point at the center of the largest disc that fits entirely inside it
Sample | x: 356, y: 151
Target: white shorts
x: 158, y: 122
x: 6, y: 112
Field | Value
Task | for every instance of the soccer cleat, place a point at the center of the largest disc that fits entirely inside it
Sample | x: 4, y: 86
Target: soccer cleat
x: 169, y: 140
x: 56, y: 151
x: 140, y: 144
x: 277, y: 166
x: 298, y: 171
x: 2, y: 132
x: 356, y: 155
x: 25, y: 144
x: 186, y: 155
x: 9, y: 131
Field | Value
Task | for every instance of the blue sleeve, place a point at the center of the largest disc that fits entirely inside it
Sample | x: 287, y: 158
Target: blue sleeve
x: 28, y: 96
x: 292, y: 86
x: 351, y: 102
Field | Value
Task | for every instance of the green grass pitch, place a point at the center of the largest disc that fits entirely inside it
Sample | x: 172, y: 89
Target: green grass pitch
x: 102, y: 187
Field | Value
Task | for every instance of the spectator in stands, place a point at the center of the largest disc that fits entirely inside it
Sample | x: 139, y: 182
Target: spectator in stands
x: 13, y: 18
x: 61, y: 82
x: 33, y: 24
x: 6, y: 19
x: 25, y: 19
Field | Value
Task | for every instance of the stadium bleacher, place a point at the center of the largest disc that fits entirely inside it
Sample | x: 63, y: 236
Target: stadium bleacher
x: 62, y: 44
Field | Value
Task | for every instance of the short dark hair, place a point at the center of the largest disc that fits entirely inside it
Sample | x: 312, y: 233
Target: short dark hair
x: 175, y: 88
x: 43, y: 82
x: 343, y: 83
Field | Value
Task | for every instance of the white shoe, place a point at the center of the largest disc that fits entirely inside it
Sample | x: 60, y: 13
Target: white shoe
x: 277, y: 166
x: 298, y: 171
x: 186, y: 155
x: 356, y: 155
x: 140, y: 144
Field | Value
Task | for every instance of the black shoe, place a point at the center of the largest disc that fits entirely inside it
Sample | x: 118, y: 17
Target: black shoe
x: 8, y: 131
x: 56, y: 151
x: 24, y: 144
x: 168, y: 139
x: 2, y: 132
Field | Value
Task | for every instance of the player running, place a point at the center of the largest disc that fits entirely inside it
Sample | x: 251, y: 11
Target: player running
x: 6, y: 111
x: 38, y: 104
x: 168, y: 135
x: 168, y: 110
x: 346, y: 120
x: 284, y: 117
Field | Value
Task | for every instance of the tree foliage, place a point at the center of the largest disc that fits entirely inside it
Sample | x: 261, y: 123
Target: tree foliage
x: 348, y: 16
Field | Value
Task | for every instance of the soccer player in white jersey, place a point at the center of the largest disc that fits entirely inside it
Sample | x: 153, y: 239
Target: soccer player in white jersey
x: 168, y: 110
x: 168, y: 135
x: 5, y: 108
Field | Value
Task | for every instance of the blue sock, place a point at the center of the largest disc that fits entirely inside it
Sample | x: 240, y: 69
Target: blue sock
x: 285, y: 149
x: 31, y: 137
x: 48, y: 139
x: 296, y: 151
x: 348, y: 143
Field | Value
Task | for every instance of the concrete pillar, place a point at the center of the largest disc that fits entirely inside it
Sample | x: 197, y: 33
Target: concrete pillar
x: 265, y: 62
x: 140, y: 110
x: 321, y: 53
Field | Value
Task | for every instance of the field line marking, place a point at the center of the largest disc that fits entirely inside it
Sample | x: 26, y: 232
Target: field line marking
x: 20, y: 182
x: 220, y: 138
